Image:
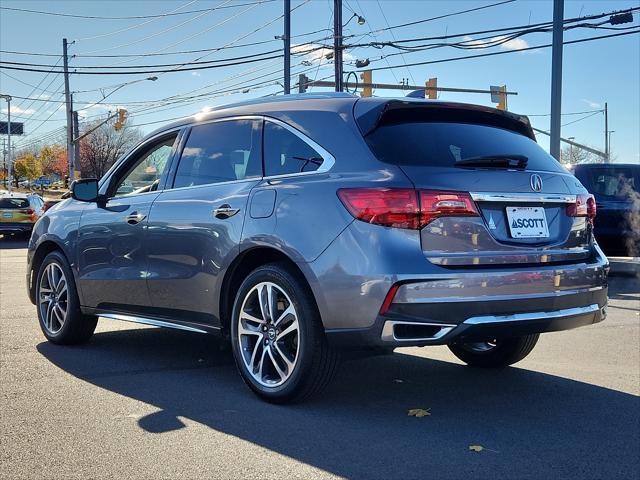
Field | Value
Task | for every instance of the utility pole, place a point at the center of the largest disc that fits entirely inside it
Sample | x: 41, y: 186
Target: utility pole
x: 606, y: 133
x: 9, y: 171
x: 556, y: 77
x: 337, y: 44
x: 76, y: 141
x: 69, y: 110
x: 287, y: 47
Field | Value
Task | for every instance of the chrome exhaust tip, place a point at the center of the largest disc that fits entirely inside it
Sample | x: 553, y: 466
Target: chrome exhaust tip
x: 399, y: 331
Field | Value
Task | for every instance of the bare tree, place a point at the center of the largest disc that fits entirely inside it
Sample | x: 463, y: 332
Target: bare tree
x: 102, y: 147
x: 572, y: 155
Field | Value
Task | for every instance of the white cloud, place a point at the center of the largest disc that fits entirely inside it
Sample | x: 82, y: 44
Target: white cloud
x: 316, y: 53
x: 513, y: 44
x: 195, y: 74
x: 591, y: 103
x: 44, y: 95
x: 26, y: 111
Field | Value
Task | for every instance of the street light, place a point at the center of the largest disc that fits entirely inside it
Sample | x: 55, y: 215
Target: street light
x: 610, y: 132
x: 9, y: 169
x: 360, y: 19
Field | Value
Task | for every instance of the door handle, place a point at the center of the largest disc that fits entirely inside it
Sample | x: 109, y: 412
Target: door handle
x: 135, y: 218
x: 225, y: 211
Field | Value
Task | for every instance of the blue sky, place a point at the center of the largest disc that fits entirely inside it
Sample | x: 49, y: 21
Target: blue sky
x: 594, y: 72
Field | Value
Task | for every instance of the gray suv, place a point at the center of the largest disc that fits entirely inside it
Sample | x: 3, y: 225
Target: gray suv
x: 299, y: 226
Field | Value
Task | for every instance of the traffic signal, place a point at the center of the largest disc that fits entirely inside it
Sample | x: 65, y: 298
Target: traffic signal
x: 122, y: 118
x: 430, y: 92
x: 366, y: 77
x: 502, y: 100
x: 303, y: 80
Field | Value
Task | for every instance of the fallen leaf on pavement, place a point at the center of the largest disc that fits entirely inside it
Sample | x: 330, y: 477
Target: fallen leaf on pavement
x: 476, y: 448
x: 419, y: 412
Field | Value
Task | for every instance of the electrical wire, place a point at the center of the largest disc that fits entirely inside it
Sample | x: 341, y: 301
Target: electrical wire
x: 537, y: 47
x: 131, y: 27
x: 131, y: 17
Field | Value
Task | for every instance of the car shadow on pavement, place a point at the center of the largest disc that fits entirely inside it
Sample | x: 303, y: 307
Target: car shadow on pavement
x: 529, y: 423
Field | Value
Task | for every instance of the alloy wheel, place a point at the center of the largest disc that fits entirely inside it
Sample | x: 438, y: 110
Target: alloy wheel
x: 53, y: 298
x: 268, y: 334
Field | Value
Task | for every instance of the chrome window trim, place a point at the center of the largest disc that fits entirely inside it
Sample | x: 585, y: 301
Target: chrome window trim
x: 230, y: 182
x: 150, y: 321
x: 522, y: 197
x: 517, y: 317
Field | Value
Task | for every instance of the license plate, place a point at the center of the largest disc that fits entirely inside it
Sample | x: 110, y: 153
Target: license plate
x: 7, y: 214
x: 527, y: 222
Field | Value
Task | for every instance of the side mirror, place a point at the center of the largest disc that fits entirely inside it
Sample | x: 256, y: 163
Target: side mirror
x: 85, y: 190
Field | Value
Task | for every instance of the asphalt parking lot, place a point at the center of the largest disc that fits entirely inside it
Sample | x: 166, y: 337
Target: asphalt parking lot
x: 147, y: 403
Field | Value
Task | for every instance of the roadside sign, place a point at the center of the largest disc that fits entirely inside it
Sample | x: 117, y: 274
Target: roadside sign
x: 17, y: 128
x: 495, y: 93
x: 42, y: 181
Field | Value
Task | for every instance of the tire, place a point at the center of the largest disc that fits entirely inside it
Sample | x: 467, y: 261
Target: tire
x: 285, y: 359
x: 496, y: 353
x: 59, y: 313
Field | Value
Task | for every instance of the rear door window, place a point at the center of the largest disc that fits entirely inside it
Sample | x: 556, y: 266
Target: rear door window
x: 286, y: 153
x: 617, y: 182
x: 442, y: 144
x: 221, y: 152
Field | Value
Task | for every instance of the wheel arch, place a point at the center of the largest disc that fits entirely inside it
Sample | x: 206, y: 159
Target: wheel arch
x: 245, y: 263
x: 40, y: 253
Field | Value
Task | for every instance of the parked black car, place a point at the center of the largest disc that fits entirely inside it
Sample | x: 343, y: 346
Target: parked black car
x: 616, y: 188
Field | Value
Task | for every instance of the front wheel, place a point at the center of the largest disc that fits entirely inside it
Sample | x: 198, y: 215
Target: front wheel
x: 59, y: 313
x: 495, y: 353
x: 277, y: 337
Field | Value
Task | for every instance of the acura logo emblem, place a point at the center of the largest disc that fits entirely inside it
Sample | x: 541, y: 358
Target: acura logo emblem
x: 536, y: 182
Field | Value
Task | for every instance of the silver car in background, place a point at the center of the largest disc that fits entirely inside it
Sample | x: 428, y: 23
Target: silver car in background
x: 300, y: 226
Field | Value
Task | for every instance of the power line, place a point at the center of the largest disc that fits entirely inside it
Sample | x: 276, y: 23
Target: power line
x: 583, y: 118
x: 243, y: 57
x: 132, y: 17
x: 140, y: 72
x: 394, y: 38
x: 153, y: 35
x: 537, y: 47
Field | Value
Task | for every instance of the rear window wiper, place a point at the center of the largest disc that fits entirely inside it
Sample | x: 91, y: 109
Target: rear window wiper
x: 501, y: 161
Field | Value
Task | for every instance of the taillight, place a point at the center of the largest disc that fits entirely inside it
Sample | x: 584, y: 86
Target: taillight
x: 585, y: 206
x: 391, y: 207
x: 434, y: 204
x: 403, y: 207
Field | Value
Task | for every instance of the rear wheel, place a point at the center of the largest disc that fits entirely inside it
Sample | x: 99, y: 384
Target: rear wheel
x: 59, y: 313
x: 496, y: 352
x: 277, y: 337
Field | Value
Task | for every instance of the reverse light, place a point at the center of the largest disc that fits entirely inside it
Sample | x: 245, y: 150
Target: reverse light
x: 585, y: 206
x: 404, y: 207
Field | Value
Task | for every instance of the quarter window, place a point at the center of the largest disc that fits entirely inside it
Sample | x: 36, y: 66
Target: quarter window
x: 220, y: 152
x: 286, y: 153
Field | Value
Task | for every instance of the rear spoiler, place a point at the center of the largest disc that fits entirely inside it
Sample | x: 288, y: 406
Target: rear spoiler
x: 372, y: 114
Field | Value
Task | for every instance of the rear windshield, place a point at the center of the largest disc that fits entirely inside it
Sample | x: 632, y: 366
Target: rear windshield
x: 9, y: 203
x: 619, y: 182
x: 441, y: 144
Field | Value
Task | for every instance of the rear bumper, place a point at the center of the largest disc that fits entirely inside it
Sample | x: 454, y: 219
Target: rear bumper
x: 443, y: 309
